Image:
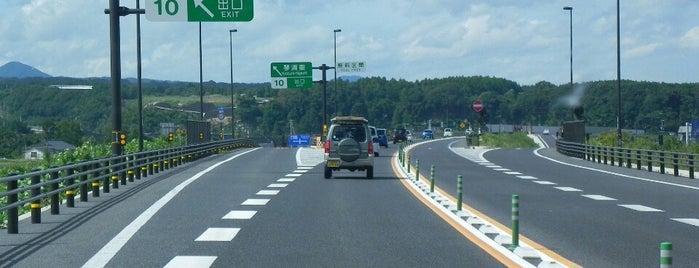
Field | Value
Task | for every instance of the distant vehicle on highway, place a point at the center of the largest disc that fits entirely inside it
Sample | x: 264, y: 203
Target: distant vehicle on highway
x: 546, y: 132
x: 427, y: 134
x: 400, y: 135
x: 383, y: 138
x: 375, y: 140
x: 469, y: 132
x: 448, y: 132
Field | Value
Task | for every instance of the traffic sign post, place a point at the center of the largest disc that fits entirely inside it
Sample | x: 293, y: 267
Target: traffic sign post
x: 221, y: 114
x: 477, y: 106
x: 291, y: 74
x: 199, y: 10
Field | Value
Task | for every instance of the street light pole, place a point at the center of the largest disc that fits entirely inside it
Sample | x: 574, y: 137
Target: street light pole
x: 618, y: 76
x: 570, y: 11
x: 335, y: 65
x: 230, y: 35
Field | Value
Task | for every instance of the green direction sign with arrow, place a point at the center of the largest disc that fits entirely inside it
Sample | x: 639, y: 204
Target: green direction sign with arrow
x: 291, y: 74
x: 199, y: 10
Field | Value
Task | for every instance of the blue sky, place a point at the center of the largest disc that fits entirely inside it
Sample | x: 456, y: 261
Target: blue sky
x: 524, y: 41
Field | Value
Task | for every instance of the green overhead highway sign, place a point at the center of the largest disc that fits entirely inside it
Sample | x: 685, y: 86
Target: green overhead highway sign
x: 199, y: 10
x: 291, y: 74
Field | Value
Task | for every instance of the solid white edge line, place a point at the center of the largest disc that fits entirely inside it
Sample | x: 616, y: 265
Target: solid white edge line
x: 536, y: 152
x: 104, y: 255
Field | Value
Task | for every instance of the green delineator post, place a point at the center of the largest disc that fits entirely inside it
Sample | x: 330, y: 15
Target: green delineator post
x: 459, y: 191
x: 665, y: 255
x: 417, y: 170
x: 515, y: 222
x: 432, y: 179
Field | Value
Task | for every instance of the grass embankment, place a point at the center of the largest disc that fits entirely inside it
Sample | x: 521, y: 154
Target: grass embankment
x: 507, y: 140
x: 671, y: 143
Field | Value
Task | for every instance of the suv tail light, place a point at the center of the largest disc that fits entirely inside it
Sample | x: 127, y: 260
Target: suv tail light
x: 327, y: 146
x: 371, y: 148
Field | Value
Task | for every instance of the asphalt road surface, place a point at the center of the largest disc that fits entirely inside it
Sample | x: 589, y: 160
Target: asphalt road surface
x: 262, y: 207
x: 592, y: 214
x: 272, y: 207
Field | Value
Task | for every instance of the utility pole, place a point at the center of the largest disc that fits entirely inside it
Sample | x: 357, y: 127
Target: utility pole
x: 324, y: 81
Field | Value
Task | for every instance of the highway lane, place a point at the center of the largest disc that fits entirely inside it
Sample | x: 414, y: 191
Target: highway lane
x: 310, y: 221
x: 252, y: 208
x: 629, y: 228
x: 594, y: 218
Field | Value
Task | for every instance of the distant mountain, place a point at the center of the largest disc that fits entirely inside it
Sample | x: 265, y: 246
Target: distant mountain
x: 350, y: 78
x: 16, y: 69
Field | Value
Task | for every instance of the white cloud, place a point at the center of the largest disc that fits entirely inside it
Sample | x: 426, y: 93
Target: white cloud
x: 690, y: 38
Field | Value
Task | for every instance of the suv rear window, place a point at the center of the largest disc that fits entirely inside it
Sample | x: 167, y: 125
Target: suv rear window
x: 357, y: 132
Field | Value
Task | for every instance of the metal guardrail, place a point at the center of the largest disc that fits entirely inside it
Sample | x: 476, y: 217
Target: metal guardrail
x: 49, y: 186
x: 661, y: 161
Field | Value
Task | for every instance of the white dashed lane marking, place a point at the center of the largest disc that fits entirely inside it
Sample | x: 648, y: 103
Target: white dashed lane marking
x: 191, y: 261
x: 568, y: 189
x: 640, y: 208
x: 544, y: 182
x: 228, y: 234
x: 218, y: 234
x: 255, y: 202
x: 513, y: 173
x: 527, y: 177
x: 240, y: 215
x: 268, y: 192
x: 690, y: 221
x: 599, y: 197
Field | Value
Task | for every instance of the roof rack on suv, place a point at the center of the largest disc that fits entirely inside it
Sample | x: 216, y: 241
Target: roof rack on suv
x: 343, y: 119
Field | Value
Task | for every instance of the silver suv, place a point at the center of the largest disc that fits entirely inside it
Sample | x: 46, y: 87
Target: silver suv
x: 349, y: 146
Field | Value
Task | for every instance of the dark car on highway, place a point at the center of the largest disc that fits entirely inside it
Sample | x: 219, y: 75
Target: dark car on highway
x: 427, y: 134
x: 400, y: 135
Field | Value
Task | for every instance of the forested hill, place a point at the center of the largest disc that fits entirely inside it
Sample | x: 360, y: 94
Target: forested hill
x: 74, y: 114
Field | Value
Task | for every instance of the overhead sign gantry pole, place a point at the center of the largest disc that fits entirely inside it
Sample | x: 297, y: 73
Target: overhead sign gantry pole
x: 115, y: 11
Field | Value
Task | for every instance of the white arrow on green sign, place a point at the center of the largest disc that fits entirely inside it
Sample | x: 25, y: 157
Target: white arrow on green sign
x: 291, y: 74
x: 199, y: 10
